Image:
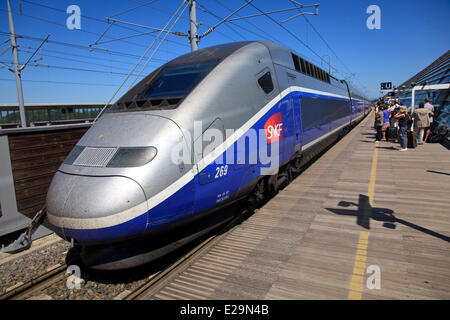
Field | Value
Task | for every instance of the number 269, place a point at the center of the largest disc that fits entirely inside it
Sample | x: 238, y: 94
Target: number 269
x: 221, y: 171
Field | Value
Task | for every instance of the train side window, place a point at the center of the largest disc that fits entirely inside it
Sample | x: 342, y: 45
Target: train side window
x: 306, y: 67
x: 265, y: 82
x: 296, y: 62
x: 309, y: 69
x: 303, y: 65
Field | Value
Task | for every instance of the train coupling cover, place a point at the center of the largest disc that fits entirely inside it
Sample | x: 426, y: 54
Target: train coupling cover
x: 24, y: 241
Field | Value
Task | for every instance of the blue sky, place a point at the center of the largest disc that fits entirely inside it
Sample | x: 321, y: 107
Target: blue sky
x: 413, y: 34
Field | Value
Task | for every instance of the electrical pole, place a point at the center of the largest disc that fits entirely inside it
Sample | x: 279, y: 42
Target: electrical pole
x: 329, y: 63
x: 17, y: 68
x: 193, y: 36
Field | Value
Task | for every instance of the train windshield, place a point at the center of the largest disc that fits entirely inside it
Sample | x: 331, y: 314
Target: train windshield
x: 166, y: 87
x: 176, y: 81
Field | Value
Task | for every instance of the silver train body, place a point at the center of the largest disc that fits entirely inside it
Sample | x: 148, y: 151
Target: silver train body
x: 124, y: 187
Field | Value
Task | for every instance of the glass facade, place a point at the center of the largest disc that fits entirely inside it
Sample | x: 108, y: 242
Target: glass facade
x: 11, y: 115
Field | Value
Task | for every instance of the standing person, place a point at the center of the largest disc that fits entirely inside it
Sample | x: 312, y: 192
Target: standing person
x: 379, y: 123
x: 394, y: 111
x: 377, y: 109
x: 390, y: 107
x: 430, y: 107
x: 421, y: 120
x: 403, y: 118
x: 393, y: 130
x: 386, y: 122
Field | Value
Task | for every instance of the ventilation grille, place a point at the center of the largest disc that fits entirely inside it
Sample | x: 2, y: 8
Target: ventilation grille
x: 95, y: 157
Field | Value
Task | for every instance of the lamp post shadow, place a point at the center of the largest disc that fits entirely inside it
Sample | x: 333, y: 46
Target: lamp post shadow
x: 364, y: 212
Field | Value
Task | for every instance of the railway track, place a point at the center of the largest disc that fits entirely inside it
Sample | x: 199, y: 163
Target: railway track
x: 41, y: 282
x: 155, y: 281
x: 51, y: 276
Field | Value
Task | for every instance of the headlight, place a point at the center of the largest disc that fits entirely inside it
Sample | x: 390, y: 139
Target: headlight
x: 132, y: 157
x: 73, y: 155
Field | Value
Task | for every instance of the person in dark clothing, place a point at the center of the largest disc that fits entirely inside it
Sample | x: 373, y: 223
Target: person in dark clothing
x: 403, y: 119
x: 379, y: 124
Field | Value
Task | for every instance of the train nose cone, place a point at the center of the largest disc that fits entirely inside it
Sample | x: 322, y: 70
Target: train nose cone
x: 95, y: 210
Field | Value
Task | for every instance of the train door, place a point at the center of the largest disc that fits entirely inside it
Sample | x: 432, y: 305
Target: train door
x: 214, y: 179
x: 287, y: 142
x: 295, y: 101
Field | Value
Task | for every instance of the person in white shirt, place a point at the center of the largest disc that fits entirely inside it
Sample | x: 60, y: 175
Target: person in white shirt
x: 394, y: 111
x: 430, y: 107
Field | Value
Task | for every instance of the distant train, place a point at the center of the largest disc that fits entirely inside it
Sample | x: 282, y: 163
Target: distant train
x: 123, y: 190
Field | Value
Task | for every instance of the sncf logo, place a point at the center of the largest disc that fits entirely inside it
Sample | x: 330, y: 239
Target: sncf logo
x: 274, y: 128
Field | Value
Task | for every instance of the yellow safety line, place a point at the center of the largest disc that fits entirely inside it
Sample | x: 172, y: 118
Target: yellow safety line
x: 359, y: 267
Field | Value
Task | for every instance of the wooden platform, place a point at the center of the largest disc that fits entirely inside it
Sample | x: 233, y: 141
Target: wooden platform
x: 361, y: 207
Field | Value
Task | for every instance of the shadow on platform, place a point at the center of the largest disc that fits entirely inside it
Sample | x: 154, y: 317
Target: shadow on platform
x: 364, y: 212
x: 388, y: 148
x: 438, y: 172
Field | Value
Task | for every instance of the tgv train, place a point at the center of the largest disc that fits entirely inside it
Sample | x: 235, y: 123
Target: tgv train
x: 148, y: 169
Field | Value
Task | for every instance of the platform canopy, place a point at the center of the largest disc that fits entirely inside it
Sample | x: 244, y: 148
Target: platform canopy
x: 435, y: 73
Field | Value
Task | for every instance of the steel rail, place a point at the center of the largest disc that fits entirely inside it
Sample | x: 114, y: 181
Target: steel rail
x: 38, y: 283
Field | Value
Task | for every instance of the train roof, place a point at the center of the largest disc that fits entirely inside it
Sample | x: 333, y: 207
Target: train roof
x: 280, y: 55
x: 214, y: 53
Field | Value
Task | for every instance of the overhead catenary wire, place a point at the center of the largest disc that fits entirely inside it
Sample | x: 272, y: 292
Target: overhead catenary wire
x: 186, y: 19
x: 76, y: 60
x: 156, y: 49
x: 132, y: 9
x: 122, y: 38
x: 73, y: 45
x: 185, y: 4
x: 22, y: 47
x: 64, y: 26
x: 84, y: 17
x: 42, y: 65
x: 63, y: 82
x: 204, y: 9
x: 78, y: 69
x: 327, y: 44
x: 225, y: 19
x: 264, y: 33
x: 287, y: 30
x: 249, y: 2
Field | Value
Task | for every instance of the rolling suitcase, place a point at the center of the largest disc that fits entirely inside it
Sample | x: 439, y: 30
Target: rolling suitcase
x: 391, y: 134
x: 412, y: 139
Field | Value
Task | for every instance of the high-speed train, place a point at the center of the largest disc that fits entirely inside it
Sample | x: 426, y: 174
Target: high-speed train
x: 202, y: 131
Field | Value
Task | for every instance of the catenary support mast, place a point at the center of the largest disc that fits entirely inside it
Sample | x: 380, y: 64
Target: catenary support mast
x: 193, y: 36
x: 17, y: 68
